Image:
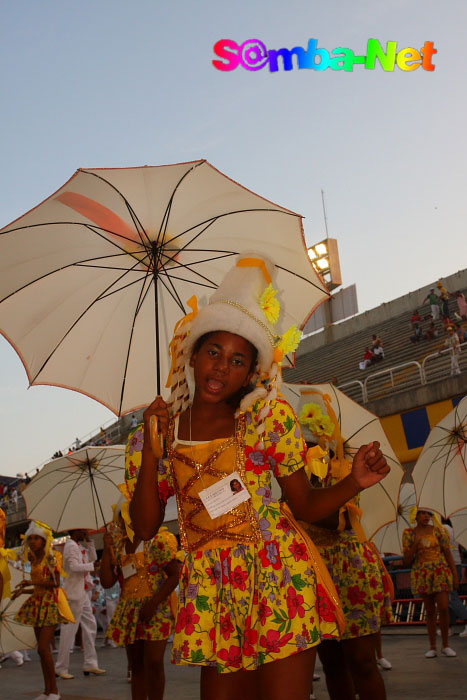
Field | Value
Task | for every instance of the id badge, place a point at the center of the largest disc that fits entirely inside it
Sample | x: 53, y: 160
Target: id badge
x: 128, y: 570
x: 224, y: 495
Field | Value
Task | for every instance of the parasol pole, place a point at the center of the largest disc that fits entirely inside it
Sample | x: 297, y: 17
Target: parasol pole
x: 156, y: 311
x: 94, y: 488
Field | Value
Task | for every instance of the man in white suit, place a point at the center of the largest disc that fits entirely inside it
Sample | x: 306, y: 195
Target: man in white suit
x: 78, y: 555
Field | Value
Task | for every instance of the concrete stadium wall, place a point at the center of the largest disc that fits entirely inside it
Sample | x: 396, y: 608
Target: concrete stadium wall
x: 372, y: 317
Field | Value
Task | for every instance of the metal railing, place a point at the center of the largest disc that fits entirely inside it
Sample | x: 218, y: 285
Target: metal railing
x: 391, y: 370
x: 437, y: 355
x: 360, y: 384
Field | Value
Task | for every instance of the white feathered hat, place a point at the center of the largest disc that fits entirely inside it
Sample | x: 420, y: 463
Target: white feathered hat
x: 246, y: 304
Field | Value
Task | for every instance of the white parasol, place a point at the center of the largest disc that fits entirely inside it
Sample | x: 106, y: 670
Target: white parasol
x: 93, y: 279
x: 388, y: 539
x: 13, y: 635
x: 77, y: 490
x: 440, y: 473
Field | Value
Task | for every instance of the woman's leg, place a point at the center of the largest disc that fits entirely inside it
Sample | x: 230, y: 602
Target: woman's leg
x: 442, y: 603
x: 154, y: 669
x: 429, y: 603
x: 136, y: 658
x: 360, y: 656
x: 240, y: 685
x: 339, y: 680
x: 44, y: 636
x: 287, y: 678
x: 378, y: 645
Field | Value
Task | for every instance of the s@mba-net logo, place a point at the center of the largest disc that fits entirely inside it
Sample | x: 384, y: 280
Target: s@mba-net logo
x: 253, y: 55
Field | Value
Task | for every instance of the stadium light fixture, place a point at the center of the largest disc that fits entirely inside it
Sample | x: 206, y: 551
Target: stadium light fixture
x: 325, y: 259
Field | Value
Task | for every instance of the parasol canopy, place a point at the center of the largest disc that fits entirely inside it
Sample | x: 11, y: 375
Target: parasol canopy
x: 440, y: 473
x: 389, y: 538
x: 93, y: 279
x: 78, y: 490
x: 13, y: 635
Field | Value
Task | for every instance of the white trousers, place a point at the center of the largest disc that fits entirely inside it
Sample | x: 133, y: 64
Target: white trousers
x: 455, y: 369
x: 82, y: 612
x: 435, y: 311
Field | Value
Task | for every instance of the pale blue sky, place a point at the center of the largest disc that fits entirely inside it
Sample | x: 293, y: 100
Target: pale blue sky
x: 111, y: 83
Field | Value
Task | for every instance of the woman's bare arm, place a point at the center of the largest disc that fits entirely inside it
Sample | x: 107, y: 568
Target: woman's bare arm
x: 309, y: 504
x: 146, y: 509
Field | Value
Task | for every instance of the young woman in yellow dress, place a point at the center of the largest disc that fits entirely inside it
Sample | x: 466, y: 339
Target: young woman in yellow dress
x: 144, y: 617
x: 434, y: 574
x: 255, y: 597
x: 47, y: 606
x: 356, y: 569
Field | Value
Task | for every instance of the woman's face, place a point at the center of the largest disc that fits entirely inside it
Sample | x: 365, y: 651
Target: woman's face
x: 36, y: 543
x: 222, y: 366
x: 423, y: 517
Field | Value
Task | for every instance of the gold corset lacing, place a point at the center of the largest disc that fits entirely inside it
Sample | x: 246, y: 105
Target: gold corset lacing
x: 197, y: 528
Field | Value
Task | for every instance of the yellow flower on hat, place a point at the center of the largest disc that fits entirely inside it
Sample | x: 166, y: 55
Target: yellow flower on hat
x: 270, y: 305
x: 290, y: 340
x: 310, y: 413
x: 319, y: 423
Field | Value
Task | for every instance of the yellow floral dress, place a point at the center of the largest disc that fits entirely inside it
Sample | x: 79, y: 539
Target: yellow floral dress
x: 126, y: 628
x: 430, y: 570
x: 355, y: 567
x: 253, y: 587
x: 42, y: 608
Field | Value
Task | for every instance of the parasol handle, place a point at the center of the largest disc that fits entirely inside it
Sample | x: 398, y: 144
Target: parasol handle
x: 157, y: 439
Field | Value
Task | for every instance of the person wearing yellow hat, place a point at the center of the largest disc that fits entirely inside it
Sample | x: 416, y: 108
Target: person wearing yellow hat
x: 255, y: 597
x: 47, y: 605
x: 144, y: 617
x: 452, y: 342
x: 427, y: 550
x: 355, y: 566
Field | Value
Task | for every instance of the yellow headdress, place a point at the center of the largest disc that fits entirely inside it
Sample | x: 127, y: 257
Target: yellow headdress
x: 434, y: 516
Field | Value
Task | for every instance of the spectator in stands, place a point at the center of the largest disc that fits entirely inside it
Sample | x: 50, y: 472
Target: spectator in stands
x: 416, y: 318
x: 376, y: 340
x: 461, y: 332
x: 378, y: 352
x: 433, y: 300
x: 431, y: 332
x: 368, y: 359
x: 461, y: 304
x: 14, y: 499
x: 452, y: 343
x: 77, y: 443
x: 444, y: 299
x: 417, y: 334
x: 134, y: 421
x: 446, y: 323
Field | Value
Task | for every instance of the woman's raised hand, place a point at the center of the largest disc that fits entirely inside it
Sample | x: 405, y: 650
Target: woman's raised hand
x: 369, y: 465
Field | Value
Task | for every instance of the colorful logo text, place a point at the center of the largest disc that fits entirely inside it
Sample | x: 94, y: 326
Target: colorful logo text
x: 253, y: 55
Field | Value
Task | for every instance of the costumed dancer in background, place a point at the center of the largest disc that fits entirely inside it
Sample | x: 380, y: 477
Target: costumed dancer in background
x: 253, y: 588
x: 361, y: 580
x: 47, y: 607
x: 145, y: 615
x: 4, y: 556
x: 427, y: 550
